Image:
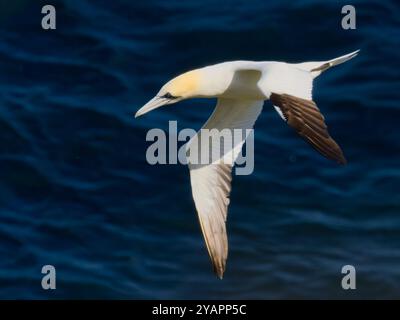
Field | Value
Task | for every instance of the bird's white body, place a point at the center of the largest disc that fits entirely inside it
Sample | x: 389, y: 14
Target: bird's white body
x: 256, y: 80
x: 241, y: 88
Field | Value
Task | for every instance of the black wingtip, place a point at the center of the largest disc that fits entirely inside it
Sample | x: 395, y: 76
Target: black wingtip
x: 219, y: 272
x: 339, y: 158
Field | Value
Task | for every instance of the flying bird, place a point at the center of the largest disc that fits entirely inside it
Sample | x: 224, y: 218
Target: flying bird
x: 241, y: 88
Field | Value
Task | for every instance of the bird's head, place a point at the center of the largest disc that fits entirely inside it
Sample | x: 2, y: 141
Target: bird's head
x: 187, y: 85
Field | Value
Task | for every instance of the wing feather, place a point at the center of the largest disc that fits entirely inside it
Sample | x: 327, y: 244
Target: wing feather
x: 211, y: 182
x: 304, y: 116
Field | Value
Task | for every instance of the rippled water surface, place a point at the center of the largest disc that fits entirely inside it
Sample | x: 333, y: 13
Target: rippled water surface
x: 76, y: 191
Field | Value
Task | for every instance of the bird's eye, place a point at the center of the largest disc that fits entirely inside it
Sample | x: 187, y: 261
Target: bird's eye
x: 168, y: 96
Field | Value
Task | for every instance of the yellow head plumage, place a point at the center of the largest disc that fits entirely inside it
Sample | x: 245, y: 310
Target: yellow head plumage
x: 183, y: 86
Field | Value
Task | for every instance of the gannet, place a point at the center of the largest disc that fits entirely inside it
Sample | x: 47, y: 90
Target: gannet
x: 241, y: 88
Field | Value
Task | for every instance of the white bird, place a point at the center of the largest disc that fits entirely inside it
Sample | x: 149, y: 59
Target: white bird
x: 241, y: 88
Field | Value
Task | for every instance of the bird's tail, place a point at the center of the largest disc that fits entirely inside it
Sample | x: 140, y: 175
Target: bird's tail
x: 317, y: 67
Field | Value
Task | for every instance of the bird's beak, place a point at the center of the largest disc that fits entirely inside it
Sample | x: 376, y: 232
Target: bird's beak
x: 154, y: 103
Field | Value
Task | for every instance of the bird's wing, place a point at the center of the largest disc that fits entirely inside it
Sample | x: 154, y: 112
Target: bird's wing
x: 211, y: 181
x: 304, y: 116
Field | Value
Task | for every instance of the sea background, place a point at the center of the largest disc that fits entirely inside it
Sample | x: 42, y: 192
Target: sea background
x: 76, y: 191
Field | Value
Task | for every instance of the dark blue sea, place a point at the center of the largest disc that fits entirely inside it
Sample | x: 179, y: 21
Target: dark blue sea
x: 77, y: 193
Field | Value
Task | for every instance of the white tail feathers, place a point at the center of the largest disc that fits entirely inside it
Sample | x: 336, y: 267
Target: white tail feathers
x: 342, y: 59
x: 316, y: 68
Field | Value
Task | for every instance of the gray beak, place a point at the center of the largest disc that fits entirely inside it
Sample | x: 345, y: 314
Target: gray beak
x: 154, y: 103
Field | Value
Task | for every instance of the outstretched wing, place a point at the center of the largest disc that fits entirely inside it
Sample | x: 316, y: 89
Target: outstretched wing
x: 304, y: 116
x: 211, y: 180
